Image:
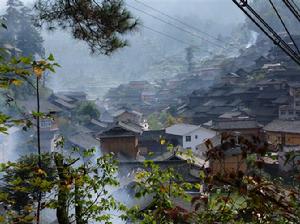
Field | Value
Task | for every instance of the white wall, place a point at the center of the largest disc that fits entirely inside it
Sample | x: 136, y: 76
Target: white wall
x: 203, y: 134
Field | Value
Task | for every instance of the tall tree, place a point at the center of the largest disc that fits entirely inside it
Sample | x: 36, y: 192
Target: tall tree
x: 20, y: 33
x: 100, y: 23
x: 29, y: 40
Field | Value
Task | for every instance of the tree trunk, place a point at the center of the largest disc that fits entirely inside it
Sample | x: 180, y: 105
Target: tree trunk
x: 63, y: 191
x: 78, y: 205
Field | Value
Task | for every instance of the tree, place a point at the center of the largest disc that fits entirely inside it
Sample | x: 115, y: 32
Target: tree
x: 162, y: 186
x: 20, y: 32
x: 228, y: 196
x: 29, y: 40
x: 99, y: 23
x: 86, y: 111
x: 21, y: 38
x: 75, y: 186
x: 23, y: 180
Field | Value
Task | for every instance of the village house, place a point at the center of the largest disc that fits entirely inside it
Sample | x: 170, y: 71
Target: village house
x: 64, y: 102
x: 229, y: 160
x: 287, y: 112
x: 76, y: 96
x: 83, y: 141
x: 188, y: 136
x: 48, y: 123
x: 149, y: 96
x: 294, y: 92
x: 96, y: 126
x: 152, y: 141
x: 273, y: 67
x: 121, y: 139
x: 231, y: 78
x: 246, y: 127
x: 139, y: 84
x: 128, y: 115
x: 286, y: 132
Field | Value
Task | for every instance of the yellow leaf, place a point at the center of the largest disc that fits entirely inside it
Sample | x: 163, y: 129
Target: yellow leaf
x: 17, y: 82
x: 38, y: 71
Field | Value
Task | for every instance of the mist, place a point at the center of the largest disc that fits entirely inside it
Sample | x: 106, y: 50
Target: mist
x: 147, y: 50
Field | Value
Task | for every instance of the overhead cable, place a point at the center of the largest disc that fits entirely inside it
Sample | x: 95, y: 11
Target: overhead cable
x: 283, y: 24
x: 181, y: 22
x: 267, y: 29
x: 175, y: 26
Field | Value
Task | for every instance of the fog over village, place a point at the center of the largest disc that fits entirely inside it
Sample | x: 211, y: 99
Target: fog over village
x: 148, y: 111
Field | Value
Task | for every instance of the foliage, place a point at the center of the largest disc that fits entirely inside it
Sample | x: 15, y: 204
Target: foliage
x: 22, y: 182
x: 162, y: 186
x: 20, y: 40
x: 162, y: 120
x: 16, y: 71
x: 20, y: 34
x: 86, y: 111
x: 99, y: 23
x: 75, y: 186
x: 227, y: 196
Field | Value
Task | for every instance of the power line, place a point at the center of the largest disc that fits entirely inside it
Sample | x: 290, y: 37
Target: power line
x: 267, y: 29
x: 171, y: 37
x: 295, y: 4
x: 175, y: 26
x: 164, y: 34
x: 285, y: 27
x: 179, y: 21
x: 292, y: 9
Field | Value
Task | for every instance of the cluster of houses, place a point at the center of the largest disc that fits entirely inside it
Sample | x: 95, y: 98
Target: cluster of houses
x: 148, y: 97
x: 260, y: 100
x: 58, y: 120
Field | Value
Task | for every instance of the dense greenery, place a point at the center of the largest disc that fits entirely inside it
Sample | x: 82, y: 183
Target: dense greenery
x: 86, y: 111
x: 161, y: 120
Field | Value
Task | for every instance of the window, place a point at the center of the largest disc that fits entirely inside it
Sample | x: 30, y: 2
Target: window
x: 45, y: 123
x: 188, y: 138
x: 282, y: 112
x: 196, y: 136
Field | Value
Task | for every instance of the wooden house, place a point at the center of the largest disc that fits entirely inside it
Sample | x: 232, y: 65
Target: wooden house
x: 121, y: 139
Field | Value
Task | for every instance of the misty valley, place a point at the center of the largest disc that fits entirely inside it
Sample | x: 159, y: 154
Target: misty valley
x: 151, y: 112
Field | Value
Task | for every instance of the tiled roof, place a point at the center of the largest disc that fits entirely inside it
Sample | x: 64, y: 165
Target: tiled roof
x: 45, y: 106
x: 65, y: 104
x: 288, y: 126
x: 84, y: 141
x: 180, y: 167
x: 181, y: 129
x: 120, y: 129
x: 99, y: 123
x: 236, y: 124
x: 63, y: 97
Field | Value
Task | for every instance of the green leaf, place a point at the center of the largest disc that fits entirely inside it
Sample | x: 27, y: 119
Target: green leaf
x: 25, y: 60
x: 51, y: 57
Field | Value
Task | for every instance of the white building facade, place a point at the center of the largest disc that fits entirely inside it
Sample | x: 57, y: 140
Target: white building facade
x: 190, y: 135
